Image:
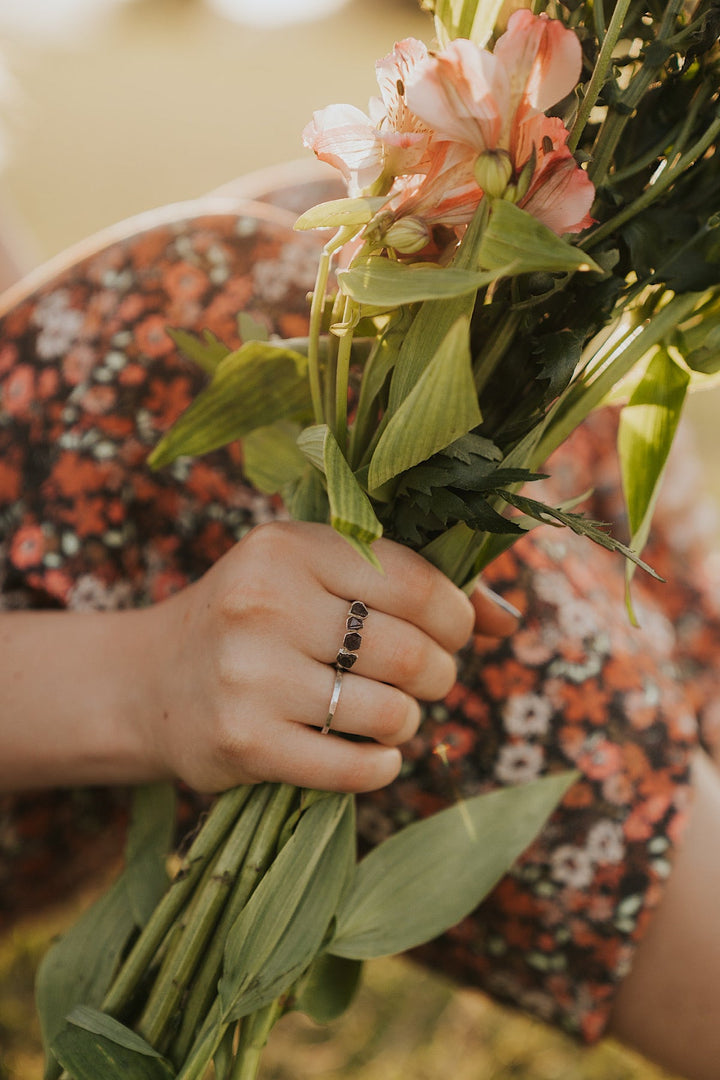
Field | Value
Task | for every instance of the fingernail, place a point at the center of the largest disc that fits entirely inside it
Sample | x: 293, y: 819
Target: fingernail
x: 500, y: 601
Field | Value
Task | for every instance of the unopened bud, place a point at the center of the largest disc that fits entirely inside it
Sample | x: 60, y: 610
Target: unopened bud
x: 493, y: 170
x: 407, y: 235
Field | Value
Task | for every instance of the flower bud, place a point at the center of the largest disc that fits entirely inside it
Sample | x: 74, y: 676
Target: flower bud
x: 407, y: 235
x: 493, y: 170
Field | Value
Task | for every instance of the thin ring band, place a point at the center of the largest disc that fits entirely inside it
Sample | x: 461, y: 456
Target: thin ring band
x: 337, y: 687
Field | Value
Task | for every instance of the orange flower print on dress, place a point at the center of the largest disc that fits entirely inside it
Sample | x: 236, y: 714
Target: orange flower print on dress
x: 27, y: 547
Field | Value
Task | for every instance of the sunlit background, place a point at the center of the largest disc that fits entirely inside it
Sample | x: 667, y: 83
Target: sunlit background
x: 111, y: 107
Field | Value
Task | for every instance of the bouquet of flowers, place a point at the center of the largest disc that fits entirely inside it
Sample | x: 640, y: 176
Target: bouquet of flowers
x: 530, y: 231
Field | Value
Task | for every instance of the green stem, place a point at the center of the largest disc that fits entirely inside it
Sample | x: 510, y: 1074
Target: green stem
x: 254, y: 1034
x: 342, y: 373
x: 607, y: 371
x: 317, y: 308
x: 181, y: 962
x: 496, y: 347
x: 617, y: 119
x: 599, y: 74
x: 215, y: 828
x: 259, y: 856
x: 654, y: 191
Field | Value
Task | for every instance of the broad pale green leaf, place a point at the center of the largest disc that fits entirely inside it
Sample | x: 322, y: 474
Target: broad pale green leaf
x: 307, y: 499
x: 430, y: 875
x: 329, y: 987
x: 271, y: 458
x: 79, y: 967
x: 351, y: 512
x: 512, y: 236
x: 645, y: 435
x: 472, y: 19
x: 206, y: 351
x: 284, y: 923
x: 92, y: 1045
x: 440, y: 408
x: 383, y: 282
x: 252, y: 329
x: 341, y: 212
x: 150, y: 841
x: 252, y: 387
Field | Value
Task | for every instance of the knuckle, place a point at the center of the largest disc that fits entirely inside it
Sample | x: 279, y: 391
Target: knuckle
x: 397, y: 719
x: 420, y: 579
x: 446, y: 677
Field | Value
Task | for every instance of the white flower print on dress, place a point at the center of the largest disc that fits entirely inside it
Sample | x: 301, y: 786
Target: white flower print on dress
x: 572, y: 866
x: 605, y: 842
x: 519, y: 763
x: 526, y: 715
x: 59, y: 324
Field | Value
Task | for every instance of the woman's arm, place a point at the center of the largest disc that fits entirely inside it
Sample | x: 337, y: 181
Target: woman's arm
x: 228, y: 680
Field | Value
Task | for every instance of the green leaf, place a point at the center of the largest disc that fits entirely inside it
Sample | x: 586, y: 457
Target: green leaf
x: 341, y: 212
x: 79, y: 967
x: 512, y: 236
x: 328, y: 988
x: 252, y: 387
x: 440, y: 408
x: 383, y: 282
x: 283, y: 925
x: 150, y: 841
x: 271, y: 457
x: 474, y: 19
x: 581, y: 526
x: 429, y: 876
x: 207, y: 352
x: 351, y: 512
x: 250, y: 328
x: 645, y: 435
x: 92, y: 1045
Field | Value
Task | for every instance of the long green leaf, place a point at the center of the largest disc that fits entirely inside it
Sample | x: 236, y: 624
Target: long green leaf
x: 341, y: 212
x: 150, y: 841
x: 92, y: 1045
x: 252, y: 387
x: 271, y: 457
x: 207, y: 351
x: 440, y: 408
x: 384, y: 283
x: 328, y: 988
x: 351, y: 512
x: 78, y: 968
x: 514, y: 237
x: 283, y: 925
x: 645, y: 435
x: 429, y: 876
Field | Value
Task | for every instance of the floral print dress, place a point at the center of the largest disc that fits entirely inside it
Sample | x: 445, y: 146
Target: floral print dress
x: 89, y: 379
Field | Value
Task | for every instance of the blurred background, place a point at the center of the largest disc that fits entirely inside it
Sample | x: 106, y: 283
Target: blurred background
x: 112, y: 107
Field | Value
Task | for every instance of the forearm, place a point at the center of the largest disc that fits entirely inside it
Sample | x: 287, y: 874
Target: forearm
x: 77, y: 698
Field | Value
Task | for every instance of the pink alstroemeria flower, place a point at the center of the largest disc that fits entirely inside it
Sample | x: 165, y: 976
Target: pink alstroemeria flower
x: 495, y: 102
x: 391, y: 141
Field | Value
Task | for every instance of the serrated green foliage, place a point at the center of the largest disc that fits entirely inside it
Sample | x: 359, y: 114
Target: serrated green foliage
x: 440, y: 408
x: 339, y: 213
x: 206, y: 351
x: 582, y: 526
x: 384, y: 283
x: 251, y: 388
x: 283, y: 925
x: 92, y: 1045
x: 471, y: 845
x: 328, y: 988
x: 515, y: 238
x: 645, y: 435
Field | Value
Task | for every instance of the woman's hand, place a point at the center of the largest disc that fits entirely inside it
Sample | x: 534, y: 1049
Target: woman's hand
x: 247, y: 660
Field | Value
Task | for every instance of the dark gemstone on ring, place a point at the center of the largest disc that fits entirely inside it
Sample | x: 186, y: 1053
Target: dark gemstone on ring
x: 358, y: 608
x: 345, y: 659
x: 352, y: 641
x: 353, y: 623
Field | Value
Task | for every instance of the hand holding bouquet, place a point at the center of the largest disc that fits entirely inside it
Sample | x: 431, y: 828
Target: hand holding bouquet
x: 530, y: 229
